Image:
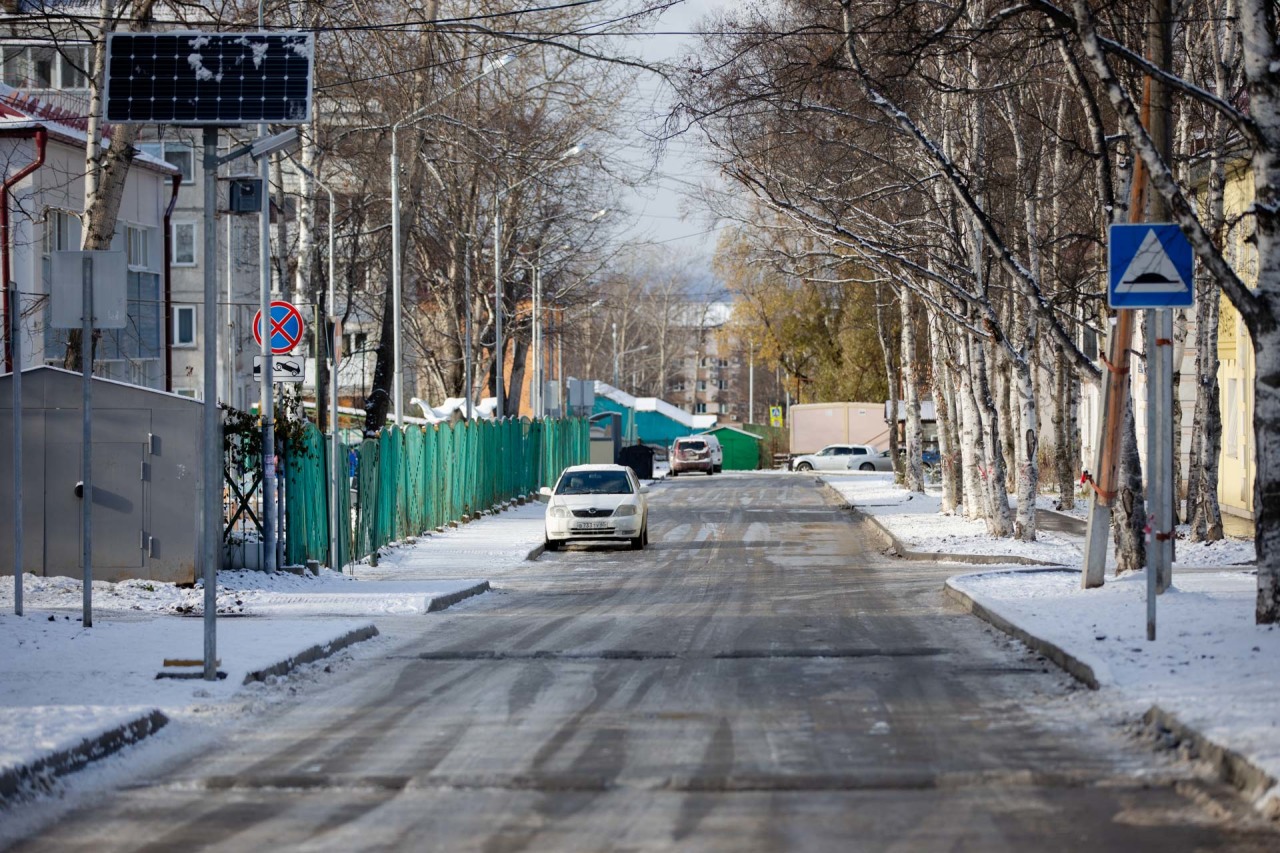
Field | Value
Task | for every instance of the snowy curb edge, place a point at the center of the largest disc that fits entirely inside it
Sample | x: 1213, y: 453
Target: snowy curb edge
x: 893, y: 543
x: 1075, y: 667
x: 315, y: 653
x: 17, y: 780
x: 1230, y: 766
x: 445, y: 601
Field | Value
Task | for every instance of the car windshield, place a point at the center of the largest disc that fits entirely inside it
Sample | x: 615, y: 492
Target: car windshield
x: 594, y: 483
x: 693, y: 445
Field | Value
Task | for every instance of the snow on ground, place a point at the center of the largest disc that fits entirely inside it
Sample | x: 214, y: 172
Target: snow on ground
x: 916, y: 520
x: 61, y: 683
x: 1210, y: 667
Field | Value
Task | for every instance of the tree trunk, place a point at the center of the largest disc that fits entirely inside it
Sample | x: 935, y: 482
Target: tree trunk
x: 1129, y: 515
x: 378, y: 403
x: 912, y: 470
x: 942, y: 402
x: 999, y: 518
x: 1028, y: 475
x: 1064, y: 467
x: 891, y: 372
x: 971, y: 440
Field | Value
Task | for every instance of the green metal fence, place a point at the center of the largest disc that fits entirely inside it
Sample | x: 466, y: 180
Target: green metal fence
x: 413, y: 479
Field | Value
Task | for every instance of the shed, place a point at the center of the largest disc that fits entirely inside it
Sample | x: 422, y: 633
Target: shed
x: 147, y: 447
x: 741, y: 448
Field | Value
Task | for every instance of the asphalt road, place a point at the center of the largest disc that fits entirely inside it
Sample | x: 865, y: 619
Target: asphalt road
x: 759, y: 679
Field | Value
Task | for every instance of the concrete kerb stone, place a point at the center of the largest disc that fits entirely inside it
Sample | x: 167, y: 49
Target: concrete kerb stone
x: 1230, y: 766
x: 16, y: 782
x: 446, y: 601
x: 315, y: 653
x: 1066, y: 661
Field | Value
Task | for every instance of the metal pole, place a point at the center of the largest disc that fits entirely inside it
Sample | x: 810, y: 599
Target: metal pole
x: 468, y: 380
x: 397, y: 358
x: 15, y: 349
x: 268, y: 368
x: 86, y: 437
x: 615, y: 355
x: 211, y: 509
x: 497, y: 303
x: 562, y: 405
x: 536, y: 391
x: 336, y: 462
x: 751, y: 383
x: 229, y: 392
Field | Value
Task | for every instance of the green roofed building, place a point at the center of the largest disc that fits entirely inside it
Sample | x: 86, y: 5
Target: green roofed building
x: 741, y: 448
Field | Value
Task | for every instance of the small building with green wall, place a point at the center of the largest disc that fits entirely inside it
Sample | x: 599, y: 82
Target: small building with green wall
x: 648, y: 419
x: 741, y: 448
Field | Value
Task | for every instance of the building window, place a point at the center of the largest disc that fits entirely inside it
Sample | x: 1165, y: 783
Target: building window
x: 184, y: 244
x: 45, y: 67
x: 722, y: 384
x: 1232, y: 427
x: 177, y: 154
x: 184, y: 326
x: 702, y: 384
x: 61, y: 231
x: 699, y: 408
x: 137, y: 248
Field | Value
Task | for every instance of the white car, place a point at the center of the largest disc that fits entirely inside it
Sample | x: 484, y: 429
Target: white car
x: 844, y: 457
x: 597, y: 502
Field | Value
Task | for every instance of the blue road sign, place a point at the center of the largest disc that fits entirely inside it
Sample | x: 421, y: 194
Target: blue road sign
x: 1149, y: 266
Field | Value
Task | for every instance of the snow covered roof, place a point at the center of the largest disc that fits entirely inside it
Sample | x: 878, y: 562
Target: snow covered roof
x: 455, y: 405
x: 653, y: 404
x: 66, y: 123
x: 720, y: 427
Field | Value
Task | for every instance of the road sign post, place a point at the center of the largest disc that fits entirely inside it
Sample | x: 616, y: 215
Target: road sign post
x: 1150, y: 266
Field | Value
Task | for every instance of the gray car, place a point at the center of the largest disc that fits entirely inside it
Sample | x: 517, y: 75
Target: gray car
x: 844, y: 457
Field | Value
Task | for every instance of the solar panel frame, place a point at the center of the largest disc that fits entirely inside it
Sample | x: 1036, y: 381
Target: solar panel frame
x: 202, y: 78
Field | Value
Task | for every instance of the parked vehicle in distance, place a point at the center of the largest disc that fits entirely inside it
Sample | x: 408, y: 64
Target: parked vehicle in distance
x: 596, y: 502
x: 844, y: 457
x: 696, y: 453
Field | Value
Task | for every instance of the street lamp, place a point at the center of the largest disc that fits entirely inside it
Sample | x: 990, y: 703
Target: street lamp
x: 416, y: 115
x: 498, y: 196
x: 618, y: 355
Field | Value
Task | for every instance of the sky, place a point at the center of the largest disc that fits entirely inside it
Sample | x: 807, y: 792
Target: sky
x: 662, y: 212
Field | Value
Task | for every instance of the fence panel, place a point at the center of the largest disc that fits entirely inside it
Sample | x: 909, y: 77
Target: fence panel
x: 413, y: 479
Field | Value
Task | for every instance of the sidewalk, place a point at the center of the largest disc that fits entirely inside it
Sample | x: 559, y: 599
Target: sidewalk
x: 70, y: 695
x: 1207, y: 685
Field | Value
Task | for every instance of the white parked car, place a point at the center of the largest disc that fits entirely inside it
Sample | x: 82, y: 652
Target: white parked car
x: 696, y: 453
x: 844, y: 457
x: 597, y: 502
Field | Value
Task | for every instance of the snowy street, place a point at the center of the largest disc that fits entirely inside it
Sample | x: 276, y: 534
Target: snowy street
x: 761, y: 677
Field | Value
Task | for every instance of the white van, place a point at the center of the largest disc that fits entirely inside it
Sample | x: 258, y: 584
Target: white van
x: 696, y: 453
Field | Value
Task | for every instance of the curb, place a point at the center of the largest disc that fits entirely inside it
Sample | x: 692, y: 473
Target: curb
x: 315, y: 653
x: 447, y: 601
x: 893, y: 544
x: 1230, y: 766
x: 15, y: 781
x: 1075, y: 667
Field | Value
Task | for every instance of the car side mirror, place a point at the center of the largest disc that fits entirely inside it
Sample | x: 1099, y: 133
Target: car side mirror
x: 644, y: 490
x: 544, y: 494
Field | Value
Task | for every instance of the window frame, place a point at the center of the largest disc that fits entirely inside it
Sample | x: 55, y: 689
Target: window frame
x: 174, y: 258
x: 175, y: 339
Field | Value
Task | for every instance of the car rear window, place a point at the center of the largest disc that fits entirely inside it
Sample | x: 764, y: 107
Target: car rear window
x: 692, y: 445
x: 594, y: 483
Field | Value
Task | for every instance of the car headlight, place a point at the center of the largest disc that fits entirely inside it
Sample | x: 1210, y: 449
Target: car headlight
x: 558, y: 512
x: 625, y: 509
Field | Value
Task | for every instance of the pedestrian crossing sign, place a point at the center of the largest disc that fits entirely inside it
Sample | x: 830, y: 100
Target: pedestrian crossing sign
x: 1149, y: 266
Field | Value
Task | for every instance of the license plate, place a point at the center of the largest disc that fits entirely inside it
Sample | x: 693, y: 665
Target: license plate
x: 590, y: 525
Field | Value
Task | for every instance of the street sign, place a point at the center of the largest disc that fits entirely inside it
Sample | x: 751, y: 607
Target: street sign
x: 110, y: 290
x: 775, y: 416
x: 283, y: 368
x: 1149, y: 266
x: 286, y: 327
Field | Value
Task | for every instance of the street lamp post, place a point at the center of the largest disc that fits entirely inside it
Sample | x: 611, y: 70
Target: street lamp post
x: 396, y: 310
x: 498, y: 195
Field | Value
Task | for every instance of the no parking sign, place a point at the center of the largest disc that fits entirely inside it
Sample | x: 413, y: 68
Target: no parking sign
x: 286, y: 327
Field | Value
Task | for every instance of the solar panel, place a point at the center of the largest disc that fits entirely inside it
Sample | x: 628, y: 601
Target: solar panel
x: 209, y: 78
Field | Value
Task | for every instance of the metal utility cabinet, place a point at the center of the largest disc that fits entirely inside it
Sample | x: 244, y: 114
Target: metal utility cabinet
x: 146, y: 478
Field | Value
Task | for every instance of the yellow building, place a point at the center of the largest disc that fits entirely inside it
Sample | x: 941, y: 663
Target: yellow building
x: 1235, y: 354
